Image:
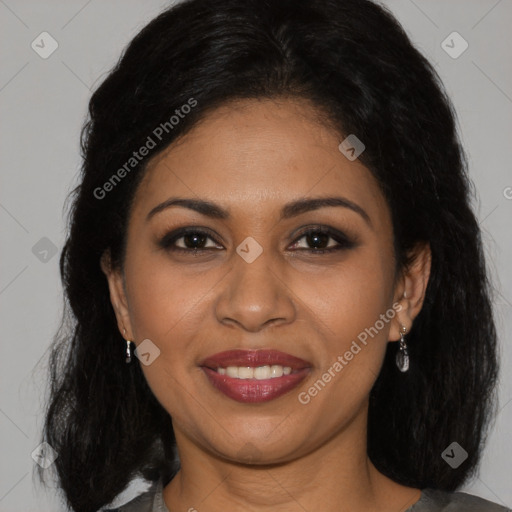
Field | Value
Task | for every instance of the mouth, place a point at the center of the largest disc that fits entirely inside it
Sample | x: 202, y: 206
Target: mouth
x: 253, y: 376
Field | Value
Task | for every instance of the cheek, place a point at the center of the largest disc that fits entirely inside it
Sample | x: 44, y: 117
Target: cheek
x: 164, y: 300
x: 353, y: 309
x: 350, y: 297
x: 165, y: 307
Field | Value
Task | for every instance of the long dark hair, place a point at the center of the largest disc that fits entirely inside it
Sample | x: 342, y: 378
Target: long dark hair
x: 355, y: 64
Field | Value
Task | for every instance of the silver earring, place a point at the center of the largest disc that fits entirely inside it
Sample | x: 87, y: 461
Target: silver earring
x: 402, y: 356
x: 128, y: 349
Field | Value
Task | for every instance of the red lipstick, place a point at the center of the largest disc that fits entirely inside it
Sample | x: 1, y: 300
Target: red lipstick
x: 251, y: 389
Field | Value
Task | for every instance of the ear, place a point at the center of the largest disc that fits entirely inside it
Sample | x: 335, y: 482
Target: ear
x: 410, y: 291
x: 116, y: 284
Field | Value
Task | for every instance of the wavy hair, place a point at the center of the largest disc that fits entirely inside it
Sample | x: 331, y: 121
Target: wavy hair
x: 355, y: 64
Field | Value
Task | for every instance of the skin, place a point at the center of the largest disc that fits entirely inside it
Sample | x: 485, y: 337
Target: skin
x: 251, y: 157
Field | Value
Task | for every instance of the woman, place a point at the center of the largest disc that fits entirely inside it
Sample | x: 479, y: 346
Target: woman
x: 273, y: 194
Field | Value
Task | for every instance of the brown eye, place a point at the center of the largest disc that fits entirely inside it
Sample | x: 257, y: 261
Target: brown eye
x: 320, y: 240
x: 193, y: 240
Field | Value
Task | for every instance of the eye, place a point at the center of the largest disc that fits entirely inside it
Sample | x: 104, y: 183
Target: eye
x: 195, y: 240
x: 319, y: 237
x: 192, y: 240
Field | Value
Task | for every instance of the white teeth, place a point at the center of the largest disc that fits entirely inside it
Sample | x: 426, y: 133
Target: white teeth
x: 232, y: 371
x: 262, y: 372
x: 245, y: 372
x: 259, y: 373
x: 276, y: 371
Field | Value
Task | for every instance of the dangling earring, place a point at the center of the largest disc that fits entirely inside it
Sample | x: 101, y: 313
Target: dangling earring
x: 128, y: 352
x: 128, y: 349
x: 402, y: 356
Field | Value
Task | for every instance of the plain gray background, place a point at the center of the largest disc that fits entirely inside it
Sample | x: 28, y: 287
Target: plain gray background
x: 43, y: 103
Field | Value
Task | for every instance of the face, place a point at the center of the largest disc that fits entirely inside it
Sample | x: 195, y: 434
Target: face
x: 306, y: 293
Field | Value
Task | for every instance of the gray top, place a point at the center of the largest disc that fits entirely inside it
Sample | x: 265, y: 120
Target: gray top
x: 431, y: 500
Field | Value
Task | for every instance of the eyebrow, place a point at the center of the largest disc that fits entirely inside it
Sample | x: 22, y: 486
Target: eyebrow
x: 288, y: 211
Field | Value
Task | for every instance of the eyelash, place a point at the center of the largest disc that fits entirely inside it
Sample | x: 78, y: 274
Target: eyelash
x: 168, y: 241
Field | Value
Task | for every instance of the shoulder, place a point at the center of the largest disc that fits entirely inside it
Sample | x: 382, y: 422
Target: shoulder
x: 148, y: 501
x: 434, y: 500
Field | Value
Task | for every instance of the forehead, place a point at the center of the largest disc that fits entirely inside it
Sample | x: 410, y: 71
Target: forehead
x: 250, y: 155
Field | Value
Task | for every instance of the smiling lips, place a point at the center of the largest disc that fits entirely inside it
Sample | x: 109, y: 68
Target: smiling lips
x: 253, y: 376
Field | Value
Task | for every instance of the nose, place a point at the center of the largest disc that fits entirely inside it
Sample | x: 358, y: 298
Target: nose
x: 255, y: 295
